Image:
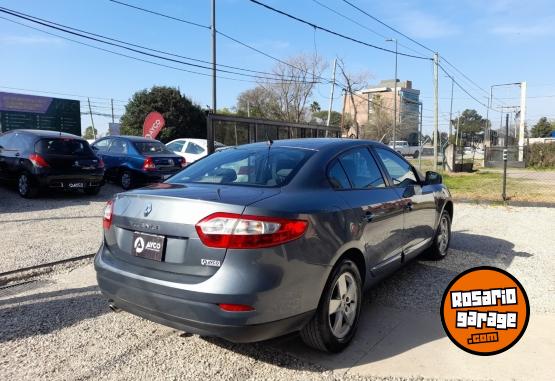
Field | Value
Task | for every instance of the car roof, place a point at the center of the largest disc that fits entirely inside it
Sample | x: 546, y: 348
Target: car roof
x: 315, y: 144
x: 131, y: 138
x: 47, y: 134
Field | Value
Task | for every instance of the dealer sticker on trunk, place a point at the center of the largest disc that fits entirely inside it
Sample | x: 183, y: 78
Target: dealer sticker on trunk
x: 210, y: 262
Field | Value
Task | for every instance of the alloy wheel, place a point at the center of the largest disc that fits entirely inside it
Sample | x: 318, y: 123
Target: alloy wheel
x: 443, y: 238
x: 23, y: 184
x: 343, y: 305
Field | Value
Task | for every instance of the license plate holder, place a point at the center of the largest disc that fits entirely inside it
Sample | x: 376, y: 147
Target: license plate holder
x: 149, y: 246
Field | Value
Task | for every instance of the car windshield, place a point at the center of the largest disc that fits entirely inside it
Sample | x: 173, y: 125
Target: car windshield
x: 63, y: 146
x: 267, y: 167
x: 151, y: 147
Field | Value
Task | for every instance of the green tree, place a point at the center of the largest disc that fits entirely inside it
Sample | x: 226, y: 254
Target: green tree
x: 184, y: 119
x: 90, y: 133
x: 470, y: 122
x: 321, y: 117
x: 542, y: 129
x: 315, y: 107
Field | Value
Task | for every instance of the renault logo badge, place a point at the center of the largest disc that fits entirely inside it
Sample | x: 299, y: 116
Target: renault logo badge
x: 148, y: 209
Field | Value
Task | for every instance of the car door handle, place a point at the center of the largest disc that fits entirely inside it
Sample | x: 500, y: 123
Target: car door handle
x: 368, y: 217
x: 408, y: 206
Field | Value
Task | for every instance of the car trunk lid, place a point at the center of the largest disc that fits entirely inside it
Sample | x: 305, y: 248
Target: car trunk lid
x: 170, y: 212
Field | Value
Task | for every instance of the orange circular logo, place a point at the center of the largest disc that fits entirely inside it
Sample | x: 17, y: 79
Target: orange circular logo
x: 485, y: 311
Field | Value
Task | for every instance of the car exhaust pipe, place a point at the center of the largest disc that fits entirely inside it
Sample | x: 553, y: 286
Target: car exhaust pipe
x: 113, y: 306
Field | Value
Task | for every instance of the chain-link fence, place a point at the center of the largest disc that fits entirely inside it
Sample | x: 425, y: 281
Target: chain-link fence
x: 476, y: 174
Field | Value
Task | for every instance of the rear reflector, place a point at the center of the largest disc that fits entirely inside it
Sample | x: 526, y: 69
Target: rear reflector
x: 235, y: 307
x: 183, y: 162
x: 38, y: 160
x: 235, y: 231
x: 100, y: 163
x: 107, y: 218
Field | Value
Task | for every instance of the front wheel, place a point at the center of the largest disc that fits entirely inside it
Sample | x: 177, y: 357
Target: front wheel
x: 442, y: 239
x: 335, y: 322
x: 25, y: 186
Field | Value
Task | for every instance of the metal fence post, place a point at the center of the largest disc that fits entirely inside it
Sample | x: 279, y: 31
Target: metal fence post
x: 505, y: 154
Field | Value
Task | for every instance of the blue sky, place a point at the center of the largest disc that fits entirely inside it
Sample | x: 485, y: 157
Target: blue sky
x: 492, y: 42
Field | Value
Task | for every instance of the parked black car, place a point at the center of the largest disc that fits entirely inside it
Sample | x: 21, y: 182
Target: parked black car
x: 134, y: 160
x: 39, y: 159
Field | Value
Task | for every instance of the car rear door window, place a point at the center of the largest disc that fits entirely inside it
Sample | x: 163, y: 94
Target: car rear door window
x: 194, y: 149
x: 337, y: 176
x: 176, y: 146
x: 119, y: 146
x: 102, y: 145
x: 152, y: 147
x: 361, y: 169
x: 399, y: 169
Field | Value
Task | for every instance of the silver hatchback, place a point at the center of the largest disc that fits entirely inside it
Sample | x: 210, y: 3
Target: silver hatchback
x: 269, y: 238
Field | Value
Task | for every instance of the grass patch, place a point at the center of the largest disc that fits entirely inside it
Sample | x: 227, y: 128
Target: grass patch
x: 488, y: 186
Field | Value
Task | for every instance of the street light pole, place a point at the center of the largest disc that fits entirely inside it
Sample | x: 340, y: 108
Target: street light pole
x: 395, y: 93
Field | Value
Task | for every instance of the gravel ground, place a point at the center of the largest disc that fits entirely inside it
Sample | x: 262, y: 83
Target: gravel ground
x: 53, y: 227
x: 60, y: 327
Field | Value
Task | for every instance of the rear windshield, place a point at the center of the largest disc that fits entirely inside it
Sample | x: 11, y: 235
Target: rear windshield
x: 151, y: 147
x: 267, y: 167
x: 63, y: 146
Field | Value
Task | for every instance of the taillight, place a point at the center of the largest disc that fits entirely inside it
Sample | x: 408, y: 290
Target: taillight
x: 149, y: 165
x: 235, y: 307
x: 100, y: 163
x: 183, y: 162
x: 107, y: 218
x: 234, y: 231
x: 38, y: 160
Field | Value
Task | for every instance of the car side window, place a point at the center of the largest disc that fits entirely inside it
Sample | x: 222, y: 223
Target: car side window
x: 5, y: 140
x: 118, y: 146
x: 399, y: 169
x: 102, y: 145
x: 337, y: 176
x: 176, y: 146
x: 194, y: 148
x: 361, y: 169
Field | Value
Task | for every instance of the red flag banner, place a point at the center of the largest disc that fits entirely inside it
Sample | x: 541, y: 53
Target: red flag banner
x: 154, y: 122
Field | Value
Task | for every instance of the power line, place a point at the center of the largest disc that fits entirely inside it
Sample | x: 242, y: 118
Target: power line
x: 463, y: 89
x: 324, y: 29
x: 65, y: 29
x: 227, y: 36
x: 361, y: 25
x: 387, y: 26
x: 161, y: 14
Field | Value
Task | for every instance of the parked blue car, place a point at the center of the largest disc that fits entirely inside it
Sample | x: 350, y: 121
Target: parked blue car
x: 134, y: 160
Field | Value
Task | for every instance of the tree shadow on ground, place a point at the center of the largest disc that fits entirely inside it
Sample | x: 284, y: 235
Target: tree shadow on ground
x: 399, y: 314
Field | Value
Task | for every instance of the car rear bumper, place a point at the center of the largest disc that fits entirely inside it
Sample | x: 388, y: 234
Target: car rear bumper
x: 194, y: 308
x: 64, y: 181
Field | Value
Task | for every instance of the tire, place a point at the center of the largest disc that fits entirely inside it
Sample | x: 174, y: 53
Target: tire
x: 92, y: 191
x: 318, y: 333
x: 26, y: 187
x: 442, y: 239
x: 127, y: 180
x: 415, y: 155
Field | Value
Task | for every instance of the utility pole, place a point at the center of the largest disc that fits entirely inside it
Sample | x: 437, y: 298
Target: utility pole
x: 505, y: 158
x: 332, y: 91
x: 420, y: 141
x: 92, y: 120
x: 395, y: 93
x: 451, y: 110
x: 436, y: 107
x: 248, y: 109
x: 112, y: 102
x: 522, y: 121
x: 458, y: 130
x: 210, y: 132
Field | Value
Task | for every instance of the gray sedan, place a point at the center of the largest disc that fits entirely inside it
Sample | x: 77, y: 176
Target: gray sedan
x: 269, y: 238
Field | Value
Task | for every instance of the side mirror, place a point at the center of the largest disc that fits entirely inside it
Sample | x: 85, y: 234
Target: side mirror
x: 433, y: 178
x: 94, y: 148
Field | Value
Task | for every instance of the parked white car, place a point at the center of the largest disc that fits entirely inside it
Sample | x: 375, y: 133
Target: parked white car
x: 191, y: 149
x: 403, y: 147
